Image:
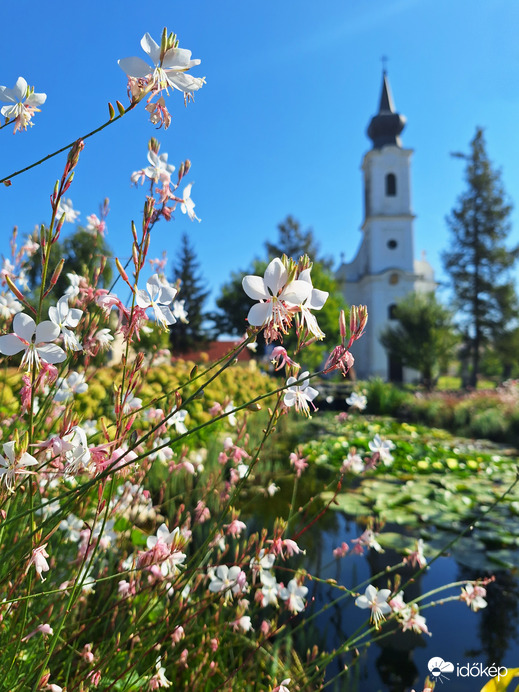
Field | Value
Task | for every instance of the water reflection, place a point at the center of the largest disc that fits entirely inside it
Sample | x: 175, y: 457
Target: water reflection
x: 399, y: 662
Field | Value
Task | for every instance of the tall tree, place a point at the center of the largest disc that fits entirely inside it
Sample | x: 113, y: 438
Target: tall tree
x: 187, y: 336
x: 478, y: 260
x: 294, y: 242
x: 423, y: 337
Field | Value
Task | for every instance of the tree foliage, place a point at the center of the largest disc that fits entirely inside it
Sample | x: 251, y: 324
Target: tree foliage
x: 423, y: 337
x: 188, y: 336
x: 84, y: 254
x: 478, y: 260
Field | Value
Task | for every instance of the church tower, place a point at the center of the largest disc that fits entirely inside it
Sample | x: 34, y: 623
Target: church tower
x: 384, y: 269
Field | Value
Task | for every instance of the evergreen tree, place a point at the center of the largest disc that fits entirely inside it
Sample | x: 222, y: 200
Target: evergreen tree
x: 478, y: 260
x: 190, y: 335
x: 294, y: 242
x: 423, y: 336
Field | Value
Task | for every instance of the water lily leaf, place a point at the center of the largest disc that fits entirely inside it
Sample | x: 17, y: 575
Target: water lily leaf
x: 508, y: 559
x: 349, y: 503
x: 396, y: 541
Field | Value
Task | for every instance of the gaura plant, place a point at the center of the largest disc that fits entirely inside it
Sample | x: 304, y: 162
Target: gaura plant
x: 128, y: 559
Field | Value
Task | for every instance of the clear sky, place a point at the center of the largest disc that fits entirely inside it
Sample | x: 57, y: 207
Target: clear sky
x: 280, y: 126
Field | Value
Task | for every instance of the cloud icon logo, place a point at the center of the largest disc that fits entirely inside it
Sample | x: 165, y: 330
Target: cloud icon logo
x: 438, y: 667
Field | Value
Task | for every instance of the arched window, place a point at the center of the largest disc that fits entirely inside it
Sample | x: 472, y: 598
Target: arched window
x: 390, y: 185
x: 391, y: 311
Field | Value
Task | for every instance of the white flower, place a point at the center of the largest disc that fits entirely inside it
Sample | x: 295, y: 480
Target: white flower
x: 9, y: 305
x: 103, y: 338
x: 160, y: 676
x: 65, y: 318
x: 299, y: 395
x: 269, y: 589
x: 187, y: 205
x: 294, y: 595
x: 34, y: 339
x: 168, y: 72
x: 71, y: 526
x: 356, y: 400
x: 10, y: 466
x: 177, y: 419
x: 232, y: 580
x: 76, y: 449
x: 73, y: 290
x: 473, y: 594
x: 17, y: 109
x: 131, y: 402
x: 159, y: 170
x: 315, y: 301
x: 67, y: 387
x: 179, y: 311
x: 275, y: 296
x: 383, y: 448
x: 377, y: 601
x: 159, y: 296
x: 65, y: 207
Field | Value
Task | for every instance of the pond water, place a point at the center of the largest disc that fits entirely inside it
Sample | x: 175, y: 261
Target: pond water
x: 399, y: 662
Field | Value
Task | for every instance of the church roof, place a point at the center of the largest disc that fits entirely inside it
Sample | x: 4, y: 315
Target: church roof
x: 386, y: 126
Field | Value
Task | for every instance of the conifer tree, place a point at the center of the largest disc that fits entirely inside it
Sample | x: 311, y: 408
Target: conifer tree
x: 190, y: 335
x: 478, y: 260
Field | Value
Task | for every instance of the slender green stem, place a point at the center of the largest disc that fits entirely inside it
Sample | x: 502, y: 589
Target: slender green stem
x: 68, y: 146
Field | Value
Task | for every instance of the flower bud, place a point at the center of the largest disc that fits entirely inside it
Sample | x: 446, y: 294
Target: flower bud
x: 120, y: 108
x: 111, y: 111
x: 55, y: 276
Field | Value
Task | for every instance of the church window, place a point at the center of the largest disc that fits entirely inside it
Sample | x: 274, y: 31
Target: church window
x: 392, y: 244
x: 393, y: 279
x: 390, y: 185
x: 391, y: 311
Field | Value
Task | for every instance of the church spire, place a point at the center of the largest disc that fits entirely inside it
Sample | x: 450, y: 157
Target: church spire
x: 386, y: 126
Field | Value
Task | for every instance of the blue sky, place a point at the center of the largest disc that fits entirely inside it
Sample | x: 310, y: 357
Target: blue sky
x: 280, y: 126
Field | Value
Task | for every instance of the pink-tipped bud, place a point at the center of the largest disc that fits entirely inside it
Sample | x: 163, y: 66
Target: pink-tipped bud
x: 120, y: 108
x: 123, y: 274
x: 354, y: 318
x: 342, y: 324
x: 14, y: 289
x: 74, y: 153
x: 187, y: 166
x: 134, y: 232
x: 111, y: 111
x: 55, y: 276
x: 135, y: 255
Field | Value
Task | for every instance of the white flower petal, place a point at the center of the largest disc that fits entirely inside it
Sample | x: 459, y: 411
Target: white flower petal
x: 151, y: 47
x: 275, y: 276
x: 24, y: 326
x: 296, y: 292
x: 259, y: 314
x: 10, y: 344
x: 135, y: 67
x: 46, y: 331
x: 254, y: 287
x: 51, y: 353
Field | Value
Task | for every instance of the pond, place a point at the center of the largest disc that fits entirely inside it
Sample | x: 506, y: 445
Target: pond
x: 399, y: 663
x: 436, y: 486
